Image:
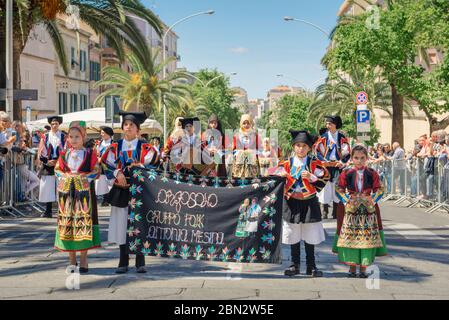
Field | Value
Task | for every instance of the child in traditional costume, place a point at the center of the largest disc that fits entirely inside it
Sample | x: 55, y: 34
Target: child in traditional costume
x: 117, y: 162
x: 306, y: 175
x: 245, y: 147
x: 333, y: 149
x: 102, y: 186
x: 76, y: 170
x: 359, y: 237
x: 50, y: 146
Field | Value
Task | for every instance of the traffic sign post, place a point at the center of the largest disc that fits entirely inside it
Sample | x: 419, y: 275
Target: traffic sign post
x: 363, y: 117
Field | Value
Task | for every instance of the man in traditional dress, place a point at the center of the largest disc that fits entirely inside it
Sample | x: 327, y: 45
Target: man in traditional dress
x: 51, y: 145
x: 118, y: 161
x: 333, y: 149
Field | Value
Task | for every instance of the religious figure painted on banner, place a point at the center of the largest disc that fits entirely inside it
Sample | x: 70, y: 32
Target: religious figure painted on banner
x: 253, y: 216
x: 241, y: 224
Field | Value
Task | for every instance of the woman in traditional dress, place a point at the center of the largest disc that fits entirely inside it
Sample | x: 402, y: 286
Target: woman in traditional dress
x: 102, y: 186
x: 268, y: 158
x: 240, y: 231
x: 245, y: 147
x: 359, y: 237
x: 76, y: 170
x: 213, y: 143
x: 172, y: 150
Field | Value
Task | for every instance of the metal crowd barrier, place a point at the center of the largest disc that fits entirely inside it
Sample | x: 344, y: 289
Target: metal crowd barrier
x: 18, y: 185
x: 416, y: 182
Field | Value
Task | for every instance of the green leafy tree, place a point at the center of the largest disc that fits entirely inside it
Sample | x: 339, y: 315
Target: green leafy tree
x: 106, y: 17
x: 291, y: 112
x: 144, y: 89
x: 390, y: 48
x: 213, y: 94
x: 337, y: 96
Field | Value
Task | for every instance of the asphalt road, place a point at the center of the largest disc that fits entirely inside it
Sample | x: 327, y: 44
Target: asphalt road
x: 417, y: 267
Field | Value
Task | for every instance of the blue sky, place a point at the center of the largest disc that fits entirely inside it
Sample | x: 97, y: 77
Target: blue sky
x: 251, y: 38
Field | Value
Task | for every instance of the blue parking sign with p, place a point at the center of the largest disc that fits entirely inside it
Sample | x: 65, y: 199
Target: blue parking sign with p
x: 363, y: 116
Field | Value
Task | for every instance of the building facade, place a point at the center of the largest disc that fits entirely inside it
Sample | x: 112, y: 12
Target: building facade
x: 414, y: 125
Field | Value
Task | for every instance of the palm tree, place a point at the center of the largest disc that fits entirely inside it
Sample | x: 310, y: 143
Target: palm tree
x: 106, y: 17
x: 337, y: 96
x: 143, y: 88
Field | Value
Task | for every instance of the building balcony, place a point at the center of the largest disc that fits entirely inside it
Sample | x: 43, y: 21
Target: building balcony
x: 109, y: 55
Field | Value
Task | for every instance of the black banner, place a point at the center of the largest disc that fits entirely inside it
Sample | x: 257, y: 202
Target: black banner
x: 202, y: 218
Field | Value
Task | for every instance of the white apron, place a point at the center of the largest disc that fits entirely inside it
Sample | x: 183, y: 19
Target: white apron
x: 118, y: 224
x: 47, y: 189
x: 312, y: 233
x: 102, y: 186
x: 328, y: 194
x: 251, y: 226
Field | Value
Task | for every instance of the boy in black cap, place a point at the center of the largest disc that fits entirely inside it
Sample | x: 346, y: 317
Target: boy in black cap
x: 117, y: 161
x: 333, y: 149
x: 50, y: 146
x: 302, y: 216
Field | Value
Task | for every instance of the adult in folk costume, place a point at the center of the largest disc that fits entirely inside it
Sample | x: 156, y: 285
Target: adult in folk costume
x: 102, y: 186
x: 77, y: 169
x: 359, y: 237
x: 50, y: 147
x: 333, y: 149
x: 213, y: 143
x: 268, y: 158
x: 245, y: 147
x: 172, y: 148
x: 117, y: 162
x: 306, y: 176
x: 189, y: 157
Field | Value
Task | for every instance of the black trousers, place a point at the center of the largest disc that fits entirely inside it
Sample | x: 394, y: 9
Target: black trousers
x: 49, y: 206
x: 310, y: 254
x: 124, y: 258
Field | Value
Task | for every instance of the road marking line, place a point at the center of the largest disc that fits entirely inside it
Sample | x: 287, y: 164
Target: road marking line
x: 410, y: 231
x: 41, y: 238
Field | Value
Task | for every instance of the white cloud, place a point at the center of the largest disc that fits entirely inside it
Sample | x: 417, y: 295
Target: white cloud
x: 239, y: 50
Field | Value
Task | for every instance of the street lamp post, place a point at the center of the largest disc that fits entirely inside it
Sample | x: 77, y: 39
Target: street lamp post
x: 164, y: 72
x: 312, y: 25
x: 309, y: 23
x: 284, y: 76
x: 9, y: 100
x: 302, y: 85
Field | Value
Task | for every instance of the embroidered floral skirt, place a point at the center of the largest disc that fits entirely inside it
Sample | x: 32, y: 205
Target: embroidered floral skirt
x: 362, y: 257
x: 78, y: 228
x: 361, y: 237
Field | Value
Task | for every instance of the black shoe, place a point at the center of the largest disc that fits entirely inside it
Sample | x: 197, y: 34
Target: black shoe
x: 352, y: 274
x: 292, y: 270
x: 363, y: 275
x: 141, y: 269
x: 46, y: 215
x: 84, y: 270
x: 121, y: 270
x: 314, y: 272
x: 105, y: 204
